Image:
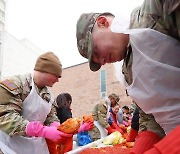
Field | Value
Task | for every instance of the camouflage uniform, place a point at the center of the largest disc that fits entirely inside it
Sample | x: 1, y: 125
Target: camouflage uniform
x: 99, y: 114
x: 13, y: 92
x: 160, y: 15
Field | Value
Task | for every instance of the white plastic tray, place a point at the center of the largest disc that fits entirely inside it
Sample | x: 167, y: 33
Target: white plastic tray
x: 81, y: 148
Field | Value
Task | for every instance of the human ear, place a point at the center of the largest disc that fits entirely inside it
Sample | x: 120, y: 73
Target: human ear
x: 102, y: 22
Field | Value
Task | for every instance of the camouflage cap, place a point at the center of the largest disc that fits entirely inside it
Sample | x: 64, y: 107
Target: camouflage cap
x: 115, y: 96
x: 84, y: 29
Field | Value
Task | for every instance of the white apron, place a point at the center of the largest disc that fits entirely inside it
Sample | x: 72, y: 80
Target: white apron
x: 34, y: 109
x: 156, y: 74
x: 103, y: 131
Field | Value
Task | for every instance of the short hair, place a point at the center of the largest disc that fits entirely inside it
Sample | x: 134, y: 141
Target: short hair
x: 125, y: 107
x: 114, y: 96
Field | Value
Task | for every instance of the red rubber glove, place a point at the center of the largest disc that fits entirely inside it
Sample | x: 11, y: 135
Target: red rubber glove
x: 168, y: 145
x: 50, y: 132
x: 144, y: 142
x: 86, y: 126
x: 110, y: 130
x: 132, y: 135
x: 115, y: 126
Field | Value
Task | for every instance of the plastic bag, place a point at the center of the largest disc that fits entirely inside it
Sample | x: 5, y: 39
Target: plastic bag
x: 83, y: 138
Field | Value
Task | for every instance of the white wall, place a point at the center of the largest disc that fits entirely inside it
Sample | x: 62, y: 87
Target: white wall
x: 18, y: 56
x: 2, y: 26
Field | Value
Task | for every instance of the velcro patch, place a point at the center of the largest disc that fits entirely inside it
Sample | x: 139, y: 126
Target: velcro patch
x: 9, y: 84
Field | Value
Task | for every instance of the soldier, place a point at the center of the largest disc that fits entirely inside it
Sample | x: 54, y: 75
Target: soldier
x: 101, y: 40
x: 25, y: 108
x: 101, y: 114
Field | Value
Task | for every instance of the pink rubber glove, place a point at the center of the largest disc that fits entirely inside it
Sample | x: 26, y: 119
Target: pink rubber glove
x: 125, y: 123
x: 86, y: 126
x: 38, y: 130
x: 55, y: 124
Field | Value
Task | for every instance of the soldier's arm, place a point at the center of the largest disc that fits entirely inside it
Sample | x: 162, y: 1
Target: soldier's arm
x: 52, y: 116
x: 102, y: 112
x: 11, y: 121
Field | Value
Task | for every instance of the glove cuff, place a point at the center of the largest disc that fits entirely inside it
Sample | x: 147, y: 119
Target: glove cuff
x: 170, y: 143
x: 152, y: 151
x: 33, y: 128
x: 144, y: 142
x: 109, y: 128
x: 132, y: 135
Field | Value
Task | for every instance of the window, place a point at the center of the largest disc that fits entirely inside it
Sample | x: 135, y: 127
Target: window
x: 103, y: 84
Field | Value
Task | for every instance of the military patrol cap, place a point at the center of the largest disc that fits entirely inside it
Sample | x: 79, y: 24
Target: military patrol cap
x: 49, y: 63
x: 84, y: 29
x: 116, y: 97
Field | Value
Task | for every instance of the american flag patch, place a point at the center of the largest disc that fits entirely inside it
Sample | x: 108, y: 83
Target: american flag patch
x: 9, y: 84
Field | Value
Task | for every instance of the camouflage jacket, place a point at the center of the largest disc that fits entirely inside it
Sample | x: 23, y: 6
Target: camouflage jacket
x: 13, y: 92
x: 160, y: 15
x: 99, y: 113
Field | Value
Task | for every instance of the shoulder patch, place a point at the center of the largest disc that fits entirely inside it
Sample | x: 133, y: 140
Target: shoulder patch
x: 9, y: 84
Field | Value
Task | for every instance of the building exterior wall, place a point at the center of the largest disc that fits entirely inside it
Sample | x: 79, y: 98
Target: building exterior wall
x: 84, y: 86
x: 18, y: 56
x: 2, y: 14
x: 2, y: 27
